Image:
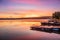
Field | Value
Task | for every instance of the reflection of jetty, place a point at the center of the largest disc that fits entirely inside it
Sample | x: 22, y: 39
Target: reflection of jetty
x: 50, y: 30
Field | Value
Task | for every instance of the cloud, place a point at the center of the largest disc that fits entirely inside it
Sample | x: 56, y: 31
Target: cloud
x: 33, y: 2
x: 36, y: 2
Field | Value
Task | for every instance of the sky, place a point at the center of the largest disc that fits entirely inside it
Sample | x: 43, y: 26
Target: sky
x: 28, y: 8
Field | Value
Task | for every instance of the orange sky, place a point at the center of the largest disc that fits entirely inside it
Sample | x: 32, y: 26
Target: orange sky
x: 28, y: 13
x: 28, y: 8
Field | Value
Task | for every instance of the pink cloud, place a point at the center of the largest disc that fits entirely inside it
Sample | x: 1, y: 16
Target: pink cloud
x: 26, y: 1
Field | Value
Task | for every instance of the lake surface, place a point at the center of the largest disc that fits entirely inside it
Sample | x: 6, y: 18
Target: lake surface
x: 20, y: 30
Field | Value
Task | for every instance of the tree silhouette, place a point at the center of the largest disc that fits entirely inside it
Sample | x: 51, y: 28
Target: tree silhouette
x: 56, y: 15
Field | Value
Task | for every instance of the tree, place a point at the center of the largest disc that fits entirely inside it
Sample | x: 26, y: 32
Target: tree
x: 56, y: 15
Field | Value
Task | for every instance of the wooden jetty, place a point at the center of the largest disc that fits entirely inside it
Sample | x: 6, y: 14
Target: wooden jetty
x: 51, y: 22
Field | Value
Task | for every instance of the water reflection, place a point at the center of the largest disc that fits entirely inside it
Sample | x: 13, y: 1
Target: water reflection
x: 15, y: 29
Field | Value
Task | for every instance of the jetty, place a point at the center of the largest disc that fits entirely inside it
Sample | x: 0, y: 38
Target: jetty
x: 51, y: 22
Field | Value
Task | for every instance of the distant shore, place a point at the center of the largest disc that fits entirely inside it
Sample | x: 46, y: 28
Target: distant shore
x: 25, y: 18
x: 17, y: 18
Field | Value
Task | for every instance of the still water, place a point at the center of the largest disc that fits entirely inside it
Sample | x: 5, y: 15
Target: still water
x: 20, y: 30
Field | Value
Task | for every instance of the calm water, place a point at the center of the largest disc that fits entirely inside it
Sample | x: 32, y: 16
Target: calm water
x: 20, y: 30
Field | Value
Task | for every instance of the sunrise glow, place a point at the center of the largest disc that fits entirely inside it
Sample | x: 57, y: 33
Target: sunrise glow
x: 32, y: 15
x: 23, y: 8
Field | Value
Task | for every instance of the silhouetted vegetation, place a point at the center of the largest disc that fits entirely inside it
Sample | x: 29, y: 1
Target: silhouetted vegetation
x: 56, y: 15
